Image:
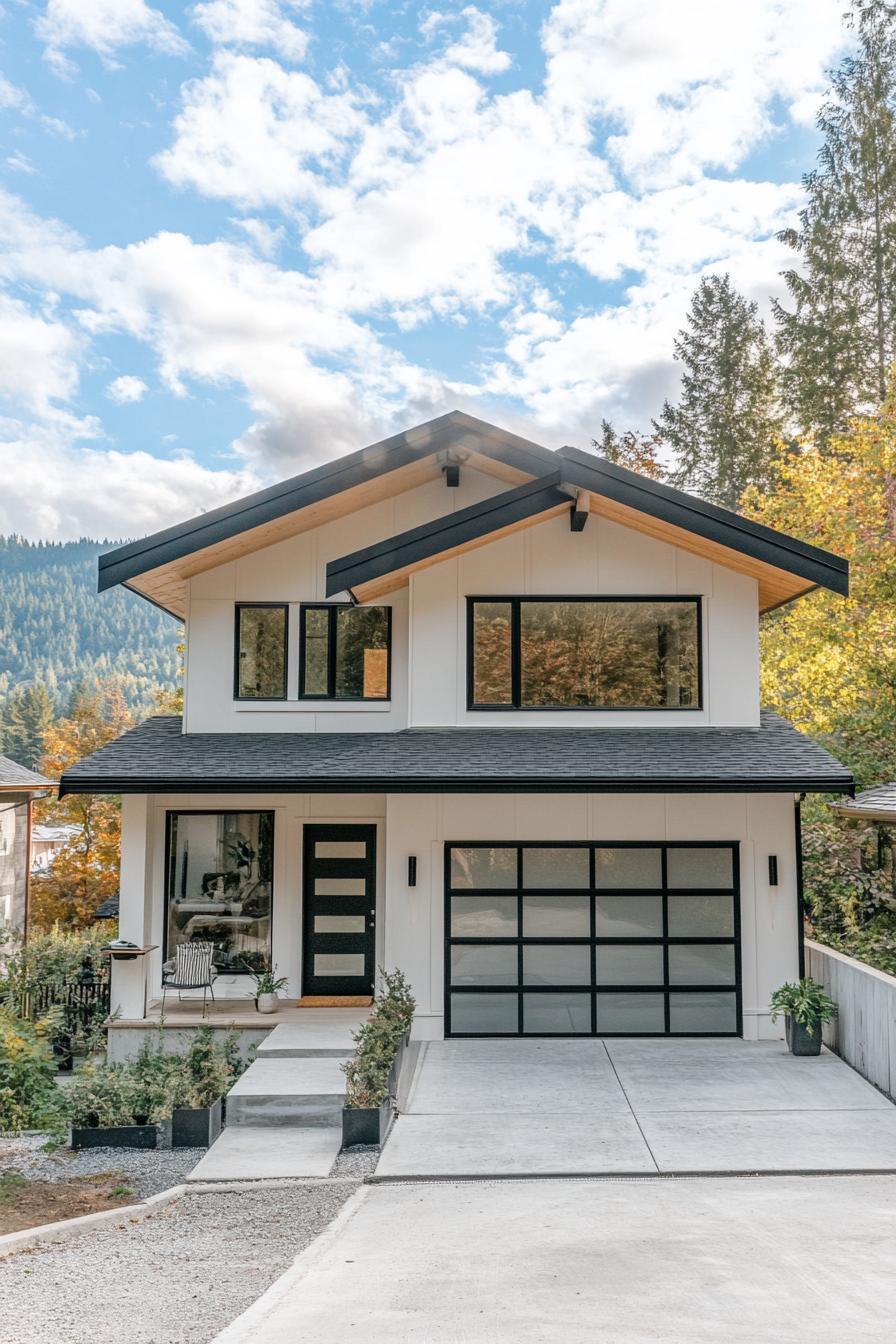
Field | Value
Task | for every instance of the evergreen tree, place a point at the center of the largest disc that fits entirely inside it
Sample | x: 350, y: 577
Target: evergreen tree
x: 726, y: 428
x: 838, y: 337
x: 27, y: 715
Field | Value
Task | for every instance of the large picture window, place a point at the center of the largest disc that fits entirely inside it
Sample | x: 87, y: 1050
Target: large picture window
x: 220, y: 885
x: 345, y: 652
x: 583, y: 652
x: 261, y: 651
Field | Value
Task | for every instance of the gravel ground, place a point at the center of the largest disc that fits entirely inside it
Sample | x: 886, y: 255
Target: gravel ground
x: 146, y: 1172
x: 358, y: 1164
x: 176, y: 1278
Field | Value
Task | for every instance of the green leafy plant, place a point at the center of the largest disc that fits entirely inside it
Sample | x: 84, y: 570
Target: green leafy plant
x: 377, y: 1042
x: 268, y: 982
x: 207, y: 1070
x: 102, y: 1094
x: 804, y: 1002
x: 29, y: 1097
x: 159, y: 1081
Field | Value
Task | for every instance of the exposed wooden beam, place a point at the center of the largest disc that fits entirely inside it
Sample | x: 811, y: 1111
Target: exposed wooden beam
x: 578, y: 514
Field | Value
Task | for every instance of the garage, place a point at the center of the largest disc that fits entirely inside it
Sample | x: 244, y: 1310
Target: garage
x: 592, y: 938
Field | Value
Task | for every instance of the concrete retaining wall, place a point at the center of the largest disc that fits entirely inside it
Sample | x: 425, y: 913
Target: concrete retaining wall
x: 865, y: 1032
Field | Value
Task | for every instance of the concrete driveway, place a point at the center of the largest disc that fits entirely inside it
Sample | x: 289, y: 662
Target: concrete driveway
x: 765, y: 1261
x: 483, y: 1108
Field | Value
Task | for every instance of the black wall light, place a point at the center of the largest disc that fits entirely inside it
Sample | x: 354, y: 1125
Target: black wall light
x: 412, y: 870
x: 773, y: 870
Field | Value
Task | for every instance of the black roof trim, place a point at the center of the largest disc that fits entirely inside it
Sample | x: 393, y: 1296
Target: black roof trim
x: 819, y: 567
x: 443, y: 534
x: 157, y: 757
x: 174, y: 543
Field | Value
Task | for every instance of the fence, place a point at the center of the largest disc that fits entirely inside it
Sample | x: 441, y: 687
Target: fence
x: 84, y: 1001
x: 864, y: 1034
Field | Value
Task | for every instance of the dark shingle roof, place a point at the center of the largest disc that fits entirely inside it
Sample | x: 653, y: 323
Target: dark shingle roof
x: 157, y: 758
x: 877, y: 804
x: 15, y: 776
x: 108, y: 909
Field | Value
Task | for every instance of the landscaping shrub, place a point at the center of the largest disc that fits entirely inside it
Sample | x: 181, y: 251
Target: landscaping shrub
x: 849, y: 888
x: 207, y: 1070
x: 29, y: 1097
x: 54, y: 956
x: 102, y: 1094
x: 377, y: 1042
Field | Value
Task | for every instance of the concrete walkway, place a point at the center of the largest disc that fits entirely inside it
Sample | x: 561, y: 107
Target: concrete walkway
x: 634, y: 1107
x: 763, y: 1261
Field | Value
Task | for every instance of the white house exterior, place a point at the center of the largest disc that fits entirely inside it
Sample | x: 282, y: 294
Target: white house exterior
x: 485, y: 712
x: 18, y: 789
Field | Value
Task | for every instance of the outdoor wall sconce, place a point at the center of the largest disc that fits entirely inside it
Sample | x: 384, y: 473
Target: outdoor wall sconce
x: 412, y: 870
x: 452, y: 473
x: 773, y: 870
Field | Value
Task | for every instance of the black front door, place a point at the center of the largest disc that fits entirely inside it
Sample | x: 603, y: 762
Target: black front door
x: 339, y: 889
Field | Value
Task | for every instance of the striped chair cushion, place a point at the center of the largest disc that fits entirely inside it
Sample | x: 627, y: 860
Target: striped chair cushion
x: 193, y: 964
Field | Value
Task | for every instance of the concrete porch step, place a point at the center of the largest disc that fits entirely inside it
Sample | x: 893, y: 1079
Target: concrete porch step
x: 288, y: 1091
x: 262, y: 1153
x: 325, y: 1033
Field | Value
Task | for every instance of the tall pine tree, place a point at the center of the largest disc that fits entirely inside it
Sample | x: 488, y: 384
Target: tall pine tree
x: 838, y: 335
x: 27, y: 715
x: 726, y: 428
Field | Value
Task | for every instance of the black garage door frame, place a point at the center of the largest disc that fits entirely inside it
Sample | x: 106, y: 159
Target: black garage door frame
x: 665, y: 940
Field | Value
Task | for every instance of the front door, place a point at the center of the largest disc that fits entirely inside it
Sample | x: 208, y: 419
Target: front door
x: 339, y: 891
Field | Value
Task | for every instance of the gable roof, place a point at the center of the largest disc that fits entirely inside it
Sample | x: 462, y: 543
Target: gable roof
x: 159, y: 565
x: 15, y: 778
x: 157, y: 757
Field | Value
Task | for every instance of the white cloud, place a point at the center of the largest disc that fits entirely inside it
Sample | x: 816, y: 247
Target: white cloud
x: 39, y: 358
x: 255, y: 133
x: 104, y: 26
x: 126, y: 388
x: 252, y: 23
x: 267, y: 239
x: 477, y: 48
x: 20, y: 163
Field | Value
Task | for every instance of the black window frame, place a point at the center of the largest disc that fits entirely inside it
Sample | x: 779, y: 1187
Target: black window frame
x: 665, y: 940
x: 172, y: 812
x: 515, y: 601
x: 332, y: 608
x: 239, y: 608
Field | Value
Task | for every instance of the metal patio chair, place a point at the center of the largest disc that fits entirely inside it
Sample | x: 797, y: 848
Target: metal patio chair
x: 191, y: 967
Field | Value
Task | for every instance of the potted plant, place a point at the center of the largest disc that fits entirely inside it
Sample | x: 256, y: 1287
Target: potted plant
x: 372, y: 1073
x: 105, y: 1107
x: 206, y: 1075
x: 806, y: 1008
x: 267, y: 986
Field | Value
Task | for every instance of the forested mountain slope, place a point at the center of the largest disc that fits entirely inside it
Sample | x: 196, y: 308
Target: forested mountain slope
x: 57, y: 629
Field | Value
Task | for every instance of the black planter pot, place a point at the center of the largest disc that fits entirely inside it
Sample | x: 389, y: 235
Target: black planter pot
x: 62, y: 1053
x: 365, y: 1126
x: 196, y: 1126
x: 123, y: 1136
x: 800, y: 1040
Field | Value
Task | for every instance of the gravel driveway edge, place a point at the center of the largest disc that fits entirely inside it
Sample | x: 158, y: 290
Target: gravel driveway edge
x: 12, y: 1242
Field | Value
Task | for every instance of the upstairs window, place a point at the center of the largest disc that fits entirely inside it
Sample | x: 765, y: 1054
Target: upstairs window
x: 345, y: 652
x: 261, y: 641
x: 583, y: 653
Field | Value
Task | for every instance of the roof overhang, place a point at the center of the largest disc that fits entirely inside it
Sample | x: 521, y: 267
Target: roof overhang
x: 159, y: 566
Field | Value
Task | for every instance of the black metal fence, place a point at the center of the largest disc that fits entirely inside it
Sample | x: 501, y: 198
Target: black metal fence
x: 83, y: 1004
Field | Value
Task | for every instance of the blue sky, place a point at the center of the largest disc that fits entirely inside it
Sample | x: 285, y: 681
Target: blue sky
x: 240, y: 237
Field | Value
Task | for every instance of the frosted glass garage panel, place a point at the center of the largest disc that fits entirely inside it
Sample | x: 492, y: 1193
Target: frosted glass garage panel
x: 710, y: 1011
x: 483, y: 964
x: 560, y: 1014
x: 483, y: 867
x: 635, y: 1013
x: 623, y: 867
x: 701, y: 916
x: 556, y: 916
x: 700, y: 867
x: 701, y: 964
x: 483, y: 917
x: 560, y: 868
x: 487, y: 1014
x: 629, y: 916
x: 549, y: 964
x: 632, y: 965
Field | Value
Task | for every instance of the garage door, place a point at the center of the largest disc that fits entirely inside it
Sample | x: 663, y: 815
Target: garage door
x: 585, y: 939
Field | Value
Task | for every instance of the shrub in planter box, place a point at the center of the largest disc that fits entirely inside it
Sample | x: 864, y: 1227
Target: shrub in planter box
x: 372, y: 1072
x: 122, y: 1136
x: 196, y: 1126
x: 806, y: 1008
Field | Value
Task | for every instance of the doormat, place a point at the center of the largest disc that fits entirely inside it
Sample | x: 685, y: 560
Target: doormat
x: 335, y: 1001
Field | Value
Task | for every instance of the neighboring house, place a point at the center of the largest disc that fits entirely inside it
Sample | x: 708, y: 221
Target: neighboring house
x: 18, y: 789
x: 47, y: 841
x: 486, y: 712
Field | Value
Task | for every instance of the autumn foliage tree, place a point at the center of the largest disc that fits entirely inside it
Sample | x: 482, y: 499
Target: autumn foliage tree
x: 85, y: 871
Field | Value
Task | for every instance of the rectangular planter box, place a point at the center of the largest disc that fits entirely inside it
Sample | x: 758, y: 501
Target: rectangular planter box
x: 196, y: 1127
x: 366, y: 1125
x: 123, y: 1136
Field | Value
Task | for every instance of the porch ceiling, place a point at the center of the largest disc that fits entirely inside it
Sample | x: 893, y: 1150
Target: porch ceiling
x: 157, y: 757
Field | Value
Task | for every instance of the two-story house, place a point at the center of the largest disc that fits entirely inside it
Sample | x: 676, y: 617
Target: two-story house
x: 486, y: 712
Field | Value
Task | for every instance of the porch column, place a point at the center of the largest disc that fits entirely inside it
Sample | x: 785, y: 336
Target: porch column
x: 135, y: 905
